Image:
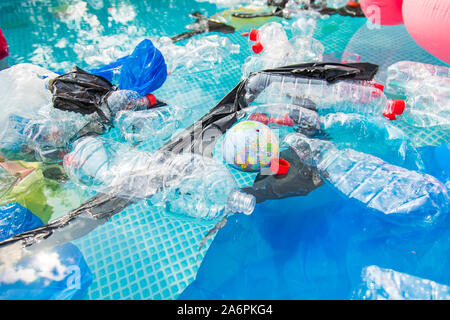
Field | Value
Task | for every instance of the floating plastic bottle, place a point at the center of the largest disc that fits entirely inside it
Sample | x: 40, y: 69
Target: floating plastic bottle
x: 185, y: 184
x: 342, y: 96
x: 273, y: 48
x: 361, y: 132
x: 401, y: 73
x: 423, y: 110
x: 151, y: 127
x: 407, y: 196
x: 49, y: 133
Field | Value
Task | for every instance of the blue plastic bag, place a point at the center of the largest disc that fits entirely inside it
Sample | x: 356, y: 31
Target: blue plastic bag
x: 144, y: 70
x: 61, y: 273
x: 16, y: 219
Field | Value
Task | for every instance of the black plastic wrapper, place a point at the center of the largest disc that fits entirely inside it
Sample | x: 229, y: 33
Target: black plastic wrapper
x: 79, y: 91
x: 300, y: 180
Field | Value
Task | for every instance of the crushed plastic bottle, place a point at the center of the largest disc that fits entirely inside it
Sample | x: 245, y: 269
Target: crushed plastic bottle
x: 423, y: 110
x: 400, y: 74
x: 387, y: 284
x: 184, y: 184
x: 404, y: 196
x: 346, y: 130
x: 151, y: 127
x: 273, y: 48
x: 371, y: 134
x: 343, y: 96
x: 49, y: 133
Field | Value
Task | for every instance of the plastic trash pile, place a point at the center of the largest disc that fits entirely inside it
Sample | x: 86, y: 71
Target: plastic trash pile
x: 294, y: 129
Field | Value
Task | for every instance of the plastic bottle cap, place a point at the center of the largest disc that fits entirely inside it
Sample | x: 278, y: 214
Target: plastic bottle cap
x: 253, y: 35
x: 257, y: 47
x: 279, y: 166
x: 244, y: 34
x: 397, y: 106
x: 394, y: 108
x: 151, y: 99
x: 379, y: 86
x: 352, y: 4
x: 389, y: 115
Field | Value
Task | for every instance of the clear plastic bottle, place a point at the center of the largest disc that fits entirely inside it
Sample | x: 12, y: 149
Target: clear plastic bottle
x: 342, y: 96
x: 373, y: 135
x: 48, y: 133
x: 273, y: 48
x: 405, y: 196
x: 426, y: 111
x: 151, y: 127
x: 365, y: 133
x: 184, y: 184
x: 401, y: 73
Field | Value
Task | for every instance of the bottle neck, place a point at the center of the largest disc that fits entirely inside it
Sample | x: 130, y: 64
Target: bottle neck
x: 240, y: 202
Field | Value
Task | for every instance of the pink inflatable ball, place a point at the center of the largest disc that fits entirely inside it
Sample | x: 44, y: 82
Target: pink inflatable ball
x: 383, y: 12
x: 428, y: 23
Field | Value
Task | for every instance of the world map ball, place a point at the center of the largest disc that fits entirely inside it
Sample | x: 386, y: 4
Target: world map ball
x: 250, y: 146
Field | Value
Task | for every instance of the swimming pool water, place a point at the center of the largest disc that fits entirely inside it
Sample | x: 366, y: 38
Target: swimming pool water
x: 142, y: 253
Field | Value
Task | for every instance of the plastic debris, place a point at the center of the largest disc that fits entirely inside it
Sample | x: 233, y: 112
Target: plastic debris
x: 184, y: 184
x: 405, y: 196
x: 386, y: 284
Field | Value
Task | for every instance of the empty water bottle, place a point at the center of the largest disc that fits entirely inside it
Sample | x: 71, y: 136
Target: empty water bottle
x: 342, y: 96
x: 423, y: 110
x: 273, y: 48
x: 50, y: 132
x: 151, y: 127
x: 404, y: 196
x: 185, y: 184
x: 365, y: 133
x: 371, y: 134
x: 401, y: 73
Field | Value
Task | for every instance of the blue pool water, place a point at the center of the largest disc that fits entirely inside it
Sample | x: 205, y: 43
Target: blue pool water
x: 310, y: 247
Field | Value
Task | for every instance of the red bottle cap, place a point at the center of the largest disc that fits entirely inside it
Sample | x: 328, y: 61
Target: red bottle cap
x: 279, y: 166
x: 257, y: 47
x: 151, y: 100
x: 379, y: 86
x: 394, y: 108
x: 397, y: 106
x: 253, y: 35
x: 352, y: 4
x: 244, y: 34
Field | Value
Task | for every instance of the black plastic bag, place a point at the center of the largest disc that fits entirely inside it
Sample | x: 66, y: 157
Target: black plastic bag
x: 80, y: 91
